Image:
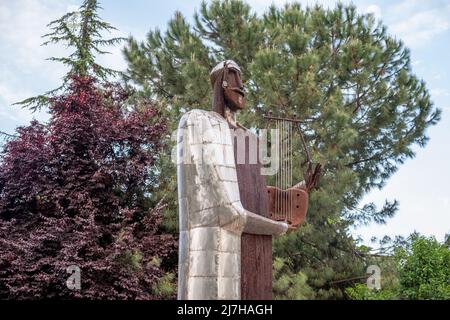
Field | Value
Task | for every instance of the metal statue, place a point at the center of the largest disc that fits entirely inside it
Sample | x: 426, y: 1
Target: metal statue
x: 225, y: 206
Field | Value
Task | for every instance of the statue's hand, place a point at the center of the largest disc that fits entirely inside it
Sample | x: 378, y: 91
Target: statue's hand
x: 286, y: 228
x: 257, y: 224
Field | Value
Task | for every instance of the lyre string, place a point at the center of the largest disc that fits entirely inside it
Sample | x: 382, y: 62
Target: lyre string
x: 283, y: 158
x: 283, y: 171
x: 291, y: 161
x: 287, y: 171
x: 286, y: 160
x: 290, y: 170
x: 277, y: 159
x: 280, y: 158
x: 282, y: 166
x: 286, y: 132
x: 283, y: 179
x: 290, y: 166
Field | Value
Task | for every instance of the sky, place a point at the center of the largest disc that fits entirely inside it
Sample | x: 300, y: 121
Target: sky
x: 421, y: 185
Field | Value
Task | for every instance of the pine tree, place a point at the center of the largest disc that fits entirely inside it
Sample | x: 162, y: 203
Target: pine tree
x: 351, y: 83
x: 81, y: 31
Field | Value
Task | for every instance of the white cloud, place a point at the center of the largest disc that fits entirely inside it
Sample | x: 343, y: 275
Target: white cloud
x: 440, y: 92
x: 14, y: 115
x: 423, y: 21
x: 446, y: 202
x: 24, y: 72
x: 260, y: 6
x: 21, y: 29
x: 437, y: 76
x: 375, y: 10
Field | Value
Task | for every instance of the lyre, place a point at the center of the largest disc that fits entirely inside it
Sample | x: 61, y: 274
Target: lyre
x: 288, y: 202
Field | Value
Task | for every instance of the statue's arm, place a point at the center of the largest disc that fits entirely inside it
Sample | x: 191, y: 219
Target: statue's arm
x: 236, y: 218
x: 257, y: 224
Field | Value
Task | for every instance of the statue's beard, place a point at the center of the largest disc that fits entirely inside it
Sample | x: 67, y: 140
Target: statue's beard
x: 234, y: 100
x: 230, y: 115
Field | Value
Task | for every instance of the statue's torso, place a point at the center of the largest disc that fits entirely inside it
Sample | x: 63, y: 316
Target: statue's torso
x: 211, y: 253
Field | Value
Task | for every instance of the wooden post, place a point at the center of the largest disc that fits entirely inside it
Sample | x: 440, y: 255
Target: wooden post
x: 256, y: 250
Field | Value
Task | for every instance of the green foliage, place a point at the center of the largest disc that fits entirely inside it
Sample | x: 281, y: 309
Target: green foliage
x: 131, y: 259
x: 340, y: 72
x: 424, y: 269
x: 287, y: 285
x: 166, y: 286
x: 81, y: 31
x: 418, y: 269
x: 362, y: 292
x: 389, y: 281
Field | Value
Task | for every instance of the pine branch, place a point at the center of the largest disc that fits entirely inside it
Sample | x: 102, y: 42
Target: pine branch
x: 34, y: 103
x: 349, y: 279
x: 374, y: 157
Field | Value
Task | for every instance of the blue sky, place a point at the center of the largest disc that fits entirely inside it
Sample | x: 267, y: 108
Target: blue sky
x: 421, y: 185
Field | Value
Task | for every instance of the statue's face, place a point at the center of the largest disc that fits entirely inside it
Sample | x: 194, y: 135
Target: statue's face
x: 234, y: 92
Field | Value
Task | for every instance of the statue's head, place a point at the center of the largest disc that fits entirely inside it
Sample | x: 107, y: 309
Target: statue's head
x: 228, y: 89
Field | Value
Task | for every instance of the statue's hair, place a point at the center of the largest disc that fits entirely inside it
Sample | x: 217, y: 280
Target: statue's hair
x: 218, y: 99
x: 216, y: 75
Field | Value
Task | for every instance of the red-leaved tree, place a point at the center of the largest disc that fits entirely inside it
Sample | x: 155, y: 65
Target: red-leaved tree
x: 73, y: 192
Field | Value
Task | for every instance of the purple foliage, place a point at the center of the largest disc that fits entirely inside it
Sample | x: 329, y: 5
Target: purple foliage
x: 71, y: 193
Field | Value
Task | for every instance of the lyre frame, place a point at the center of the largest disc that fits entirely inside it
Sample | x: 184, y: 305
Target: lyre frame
x: 291, y: 204
x: 311, y: 176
